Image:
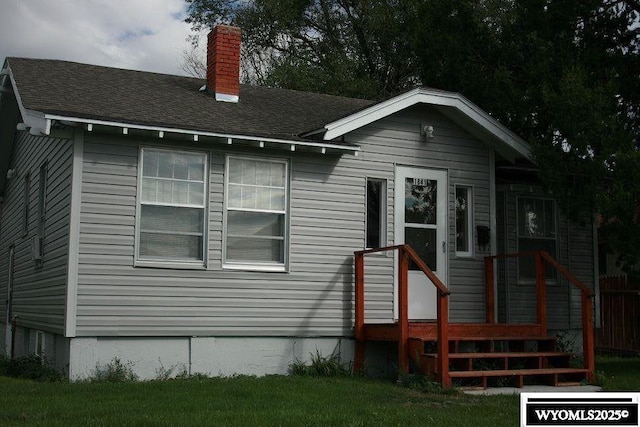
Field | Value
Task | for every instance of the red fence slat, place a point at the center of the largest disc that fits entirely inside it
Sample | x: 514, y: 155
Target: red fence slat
x: 619, y: 315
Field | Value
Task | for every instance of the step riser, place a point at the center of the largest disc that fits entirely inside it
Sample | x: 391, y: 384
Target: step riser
x: 499, y: 361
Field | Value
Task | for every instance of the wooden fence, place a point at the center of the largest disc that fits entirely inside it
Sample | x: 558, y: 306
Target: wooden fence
x: 619, y: 315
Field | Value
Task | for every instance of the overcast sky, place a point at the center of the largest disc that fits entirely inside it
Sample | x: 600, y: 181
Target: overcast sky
x: 147, y: 35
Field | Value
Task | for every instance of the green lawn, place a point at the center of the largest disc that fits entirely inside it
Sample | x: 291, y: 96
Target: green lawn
x: 266, y: 401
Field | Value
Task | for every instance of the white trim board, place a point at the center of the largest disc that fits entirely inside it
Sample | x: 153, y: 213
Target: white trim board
x: 453, y: 105
x: 74, y: 235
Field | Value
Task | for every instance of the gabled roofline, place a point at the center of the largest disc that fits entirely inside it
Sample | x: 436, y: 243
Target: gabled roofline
x: 32, y: 119
x: 512, y: 145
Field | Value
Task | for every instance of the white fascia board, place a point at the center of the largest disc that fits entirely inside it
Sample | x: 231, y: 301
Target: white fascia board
x: 430, y: 97
x: 165, y: 130
x: 31, y: 118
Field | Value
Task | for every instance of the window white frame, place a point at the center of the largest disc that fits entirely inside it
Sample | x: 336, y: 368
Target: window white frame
x: 382, y: 213
x: 468, y: 239
x: 251, y: 264
x: 551, y: 274
x: 165, y: 262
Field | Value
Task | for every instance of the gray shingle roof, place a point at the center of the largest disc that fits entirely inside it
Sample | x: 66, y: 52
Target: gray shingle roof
x: 93, y: 92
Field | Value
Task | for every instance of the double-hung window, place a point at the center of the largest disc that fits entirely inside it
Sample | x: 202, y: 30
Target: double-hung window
x: 171, y: 209
x: 255, y: 214
x: 536, y: 232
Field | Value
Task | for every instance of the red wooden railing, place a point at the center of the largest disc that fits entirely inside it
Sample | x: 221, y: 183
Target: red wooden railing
x: 405, y: 253
x: 541, y: 259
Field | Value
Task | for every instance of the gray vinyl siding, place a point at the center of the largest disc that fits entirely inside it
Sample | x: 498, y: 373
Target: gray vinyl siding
x: 327, y: 224
x: 574, y: 251
x: 39, y: 293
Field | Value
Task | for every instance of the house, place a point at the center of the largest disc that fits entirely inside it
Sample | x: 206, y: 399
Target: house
x: 211, y: 227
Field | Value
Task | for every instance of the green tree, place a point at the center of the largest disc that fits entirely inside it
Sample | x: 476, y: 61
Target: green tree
x: 564, y: 74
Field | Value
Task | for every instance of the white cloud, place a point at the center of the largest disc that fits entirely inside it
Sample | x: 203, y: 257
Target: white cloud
x: 147, y: 35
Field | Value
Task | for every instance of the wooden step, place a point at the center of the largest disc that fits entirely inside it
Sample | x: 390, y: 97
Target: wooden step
x: 551, y: 374
x: 516, y: 372
x: 489, y: 344
x: 505, y: 338
x: 497, y: 361
x: 499, y: 355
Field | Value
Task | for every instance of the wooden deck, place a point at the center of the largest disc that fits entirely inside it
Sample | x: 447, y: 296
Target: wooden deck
x: 464, y: 354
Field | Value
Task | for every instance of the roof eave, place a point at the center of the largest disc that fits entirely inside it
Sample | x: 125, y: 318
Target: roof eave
x: 507, y: 143
x: 289, y: 144
x: 34, y: 120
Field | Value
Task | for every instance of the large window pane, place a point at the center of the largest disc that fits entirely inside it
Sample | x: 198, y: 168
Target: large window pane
x: 527, y: 264
x: 172, y: 206
x: 171, y: 219
x: 255, y: 212
x: 255, y: 224
x: 171, y: 246
x: 242, y: 249
x: 536, y: 232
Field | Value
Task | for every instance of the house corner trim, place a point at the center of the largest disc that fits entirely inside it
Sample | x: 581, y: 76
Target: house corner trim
x: 74, y: 235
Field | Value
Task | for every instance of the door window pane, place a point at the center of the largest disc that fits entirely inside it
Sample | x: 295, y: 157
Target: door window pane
x: 423, y: 241
x: 420, y: 201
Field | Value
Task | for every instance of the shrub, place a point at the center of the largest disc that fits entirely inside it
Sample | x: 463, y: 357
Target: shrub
x: 163, y: 373
x: 320, y: 366
x: 114, y: 372
x: 31, y: 367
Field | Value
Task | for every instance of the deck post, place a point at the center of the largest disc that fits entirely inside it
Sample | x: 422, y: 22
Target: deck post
x: 541, y: 292
x: 403, y: 311
x: 358, y: 362
x: 489, y: 290
x: 588, y: 349
x: 443, y: 340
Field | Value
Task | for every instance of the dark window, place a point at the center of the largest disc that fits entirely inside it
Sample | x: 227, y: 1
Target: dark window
x: 536, y: 232
x: 464, y: 236
x: 376, y: 213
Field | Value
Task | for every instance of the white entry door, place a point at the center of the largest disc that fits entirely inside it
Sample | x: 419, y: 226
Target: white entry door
x: 421, y: 221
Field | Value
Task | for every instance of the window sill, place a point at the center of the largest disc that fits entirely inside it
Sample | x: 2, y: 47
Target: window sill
x: 256, y: 267
x: 381, y: 254
x: 465, y: 256
x: 172, y: 265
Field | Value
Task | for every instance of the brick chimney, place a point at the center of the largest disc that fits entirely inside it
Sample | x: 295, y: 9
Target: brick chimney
x: 223, y: 63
